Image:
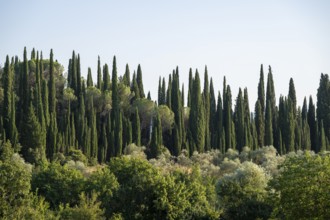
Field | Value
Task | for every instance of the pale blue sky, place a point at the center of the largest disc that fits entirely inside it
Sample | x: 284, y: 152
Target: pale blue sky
x: 231, y: 37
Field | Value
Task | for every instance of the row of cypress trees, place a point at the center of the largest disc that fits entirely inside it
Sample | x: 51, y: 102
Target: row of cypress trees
x: 43, y: 113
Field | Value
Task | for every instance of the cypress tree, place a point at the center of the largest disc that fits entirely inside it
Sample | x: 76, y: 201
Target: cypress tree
x: 24, y: 90
x: 212, y: 115
x: 38, y: 97
x: 139, y: 81
x: 271, y: 100
x: 227, y: 118
x: 127, y: 77
x: 259, y: 124
x: 247, y: 120
x: 292, y: 96
x: 99, y: 80
x: 136, y: 128
x: 24, y: 108
x: 73, y: 83
x: 206, y: 98
x: 149, y: 96
x: 197, y: 117
x: 177, y: 110
x: 89, y: 78
x: 106, y: 78
x: 261, y: 89
x: 51, y: 86
x: 239, y: 121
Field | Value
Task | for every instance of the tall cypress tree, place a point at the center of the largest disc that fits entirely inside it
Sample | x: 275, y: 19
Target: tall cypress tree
x: 197, y: 117
x: 139, y: 81
x: 248, y: 140
x: 24, y: 91
x: 116, y: 114
x: 227, y: 118
x: 206, y: 98
x: 177, y: 110
x: 239, y: 121
x: 51, y: 86
x: 212, y: 115
x: 271, y: 100
x: 89, y: 78
x: 261, y: 89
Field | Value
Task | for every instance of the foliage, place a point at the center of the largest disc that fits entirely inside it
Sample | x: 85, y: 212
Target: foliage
x: 58, y: 184
x: 105, y: 184
x: 301, y: 191
x: 88, y: 209
x: 242, y: 193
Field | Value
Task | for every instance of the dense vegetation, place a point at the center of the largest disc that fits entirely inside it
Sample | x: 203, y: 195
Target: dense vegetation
x: 77, y: 149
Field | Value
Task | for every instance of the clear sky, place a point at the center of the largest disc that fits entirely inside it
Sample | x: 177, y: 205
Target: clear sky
x: 231, y: 37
